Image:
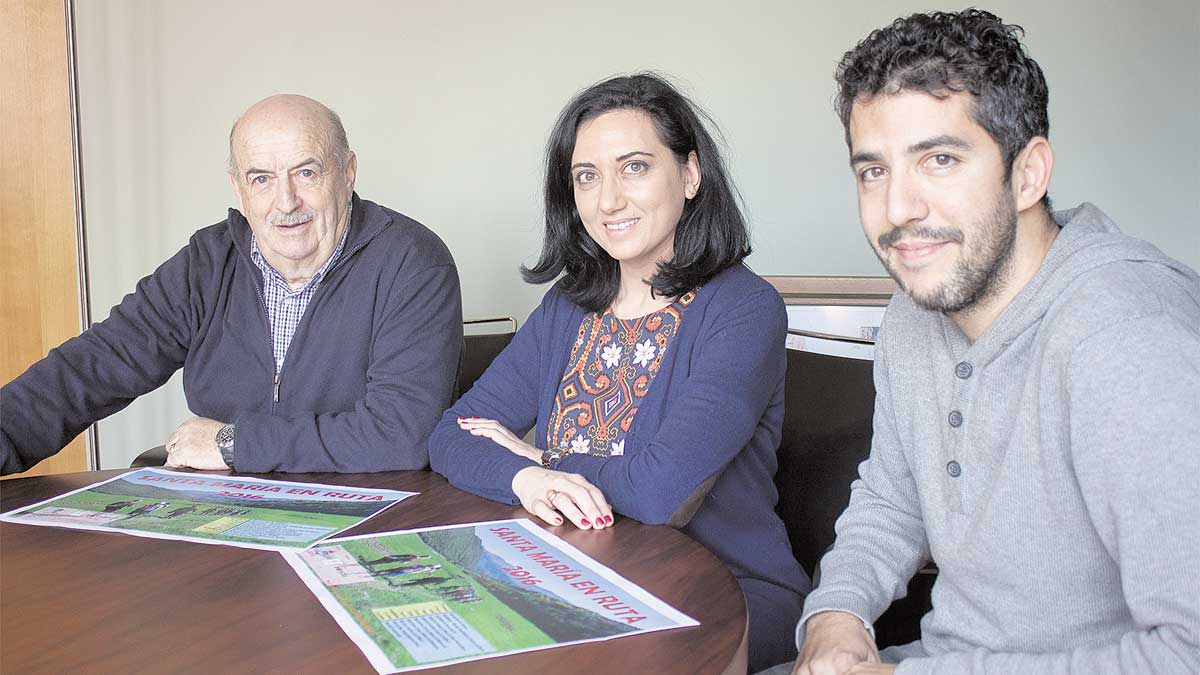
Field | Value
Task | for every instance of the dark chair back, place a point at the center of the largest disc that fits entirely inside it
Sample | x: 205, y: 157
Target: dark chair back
x: 828, y: 405
x: 479, y: 351
x: 826, y: 434
x: 156, y: 456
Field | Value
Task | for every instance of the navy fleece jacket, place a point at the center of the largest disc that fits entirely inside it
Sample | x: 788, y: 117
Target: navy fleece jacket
x: 368, y: 373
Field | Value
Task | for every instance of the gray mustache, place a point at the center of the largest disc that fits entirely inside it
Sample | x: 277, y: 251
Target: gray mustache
x: 291, y: 218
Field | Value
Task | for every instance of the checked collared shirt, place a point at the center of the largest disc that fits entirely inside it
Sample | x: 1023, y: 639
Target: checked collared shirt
x: 285, y: 307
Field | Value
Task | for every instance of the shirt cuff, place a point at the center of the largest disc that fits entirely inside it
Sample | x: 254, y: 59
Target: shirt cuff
x: 800, y: 630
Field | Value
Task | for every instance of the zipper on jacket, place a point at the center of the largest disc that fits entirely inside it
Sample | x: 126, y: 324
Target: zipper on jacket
x: 262, y: 301
x: 271, y: 339
x: 262, y: 304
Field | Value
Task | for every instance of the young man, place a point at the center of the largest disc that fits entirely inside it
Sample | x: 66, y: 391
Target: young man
x: 1037, y: 422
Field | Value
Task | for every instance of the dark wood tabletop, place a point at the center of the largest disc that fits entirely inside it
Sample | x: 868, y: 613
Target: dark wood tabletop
x: 81, y: 601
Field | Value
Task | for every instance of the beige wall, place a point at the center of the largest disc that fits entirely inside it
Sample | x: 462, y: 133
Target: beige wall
x: 448, y: 105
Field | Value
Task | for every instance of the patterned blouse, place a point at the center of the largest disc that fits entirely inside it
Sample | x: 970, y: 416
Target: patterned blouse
x: 610, y: 369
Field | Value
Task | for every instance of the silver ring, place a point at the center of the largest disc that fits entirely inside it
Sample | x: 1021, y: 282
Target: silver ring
x: 551, y: 496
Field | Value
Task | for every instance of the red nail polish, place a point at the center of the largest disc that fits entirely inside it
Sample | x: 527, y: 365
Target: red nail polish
x: 558, y: 521
x: 607, y: 519
x: 585, y: 522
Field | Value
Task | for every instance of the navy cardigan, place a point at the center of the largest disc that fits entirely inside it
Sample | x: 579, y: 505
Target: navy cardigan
x: 370, y: 370
x: 714, y: 409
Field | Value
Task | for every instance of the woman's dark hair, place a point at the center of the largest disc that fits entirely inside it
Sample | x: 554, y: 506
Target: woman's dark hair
x: 711, y: 235
x: 947, y: 52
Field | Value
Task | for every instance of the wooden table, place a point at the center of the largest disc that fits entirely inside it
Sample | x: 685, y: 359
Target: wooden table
x: 80, y: 601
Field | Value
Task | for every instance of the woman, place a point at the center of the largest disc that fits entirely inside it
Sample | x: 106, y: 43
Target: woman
x: 654, y: 368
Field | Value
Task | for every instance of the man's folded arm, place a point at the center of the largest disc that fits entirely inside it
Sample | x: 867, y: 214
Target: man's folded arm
x: 1160, y: 651
x: 135, y: 350
x: 410, y: 378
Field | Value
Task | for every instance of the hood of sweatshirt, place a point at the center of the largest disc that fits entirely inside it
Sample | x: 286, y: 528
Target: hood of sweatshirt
x: 1089, y: 239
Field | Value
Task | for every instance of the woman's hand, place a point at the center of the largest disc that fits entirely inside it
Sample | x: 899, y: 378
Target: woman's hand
x: 543, y: 492
x: 479, y: 426
x: 546, y: 493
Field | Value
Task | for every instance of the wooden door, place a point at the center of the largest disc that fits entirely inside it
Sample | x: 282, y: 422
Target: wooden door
x: 40, y: 303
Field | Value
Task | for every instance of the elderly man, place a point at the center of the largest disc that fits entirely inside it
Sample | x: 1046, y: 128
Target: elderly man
x: 317, y: 331
x: 1036, y: 423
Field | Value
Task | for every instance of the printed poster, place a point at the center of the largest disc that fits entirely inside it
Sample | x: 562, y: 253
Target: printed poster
x: 431, y: 597
x: 211, y: 509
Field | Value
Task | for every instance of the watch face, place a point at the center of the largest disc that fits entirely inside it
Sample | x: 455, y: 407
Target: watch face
x: 552, y: 455
x: 225, y: 437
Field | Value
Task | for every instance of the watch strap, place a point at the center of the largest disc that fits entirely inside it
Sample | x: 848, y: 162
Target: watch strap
x: 551, y: 456
x: 225, y: 437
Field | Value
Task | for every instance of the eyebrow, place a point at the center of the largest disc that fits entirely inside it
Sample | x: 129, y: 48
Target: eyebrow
x: 943, y: 141
x: 311, y: 160
x: 635, y: 153
x: 622, y: 158
x: 861, y: 157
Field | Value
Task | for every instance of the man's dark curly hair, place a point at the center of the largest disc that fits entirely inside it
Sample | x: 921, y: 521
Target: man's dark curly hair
x: 943, y: 53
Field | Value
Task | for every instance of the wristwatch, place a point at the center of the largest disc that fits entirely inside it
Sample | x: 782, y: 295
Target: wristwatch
x: 225, y: 444
x: 550, y: 456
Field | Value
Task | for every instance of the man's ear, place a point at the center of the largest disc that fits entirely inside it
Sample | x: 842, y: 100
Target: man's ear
x: 1031, y: 172
x: 351, y: 170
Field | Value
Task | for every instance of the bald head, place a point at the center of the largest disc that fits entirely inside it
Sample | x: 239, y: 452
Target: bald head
x: 293, y: 175
x: 289, y: 110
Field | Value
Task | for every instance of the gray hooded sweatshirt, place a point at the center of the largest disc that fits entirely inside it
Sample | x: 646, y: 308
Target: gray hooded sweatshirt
x: 1051, y: 469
